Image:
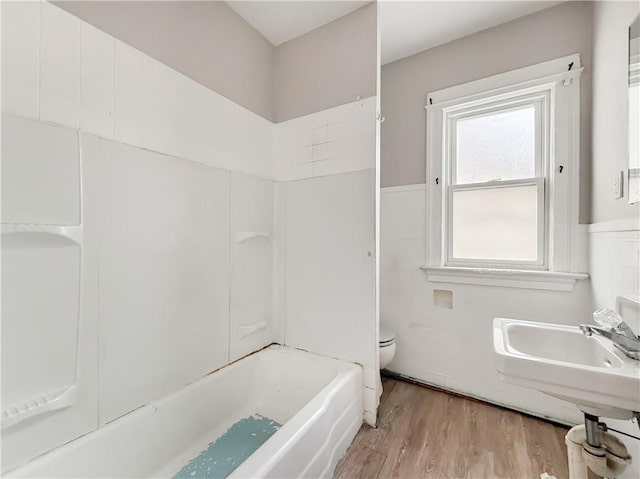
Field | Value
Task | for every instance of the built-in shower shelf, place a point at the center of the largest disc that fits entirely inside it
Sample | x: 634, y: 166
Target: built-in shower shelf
x: 60, y: 399
x: 44, y: 235
x: 243, y: 236
x: 247, y: 330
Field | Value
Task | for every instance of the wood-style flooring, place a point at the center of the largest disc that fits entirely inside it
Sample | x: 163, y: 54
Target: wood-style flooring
x: 427, y: 433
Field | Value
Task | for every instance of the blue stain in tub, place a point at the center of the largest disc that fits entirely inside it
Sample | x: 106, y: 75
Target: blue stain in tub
x: 230, y: 450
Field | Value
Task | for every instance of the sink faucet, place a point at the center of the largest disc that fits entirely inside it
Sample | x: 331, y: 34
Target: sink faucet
x: 622, y: 336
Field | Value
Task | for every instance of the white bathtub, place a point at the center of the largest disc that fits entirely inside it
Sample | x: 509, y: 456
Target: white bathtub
x: 317, y: 400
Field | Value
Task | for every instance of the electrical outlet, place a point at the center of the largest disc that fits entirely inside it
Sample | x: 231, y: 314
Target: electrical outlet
x: 617, y: 185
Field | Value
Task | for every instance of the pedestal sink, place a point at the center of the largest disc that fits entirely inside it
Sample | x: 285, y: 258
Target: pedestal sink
x: 562, y: 362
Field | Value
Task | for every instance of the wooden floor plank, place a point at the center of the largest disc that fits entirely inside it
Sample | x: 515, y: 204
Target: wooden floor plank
x: 393, y: 415
x: 409, y: 458
x: 516, y: 458
x: 546, y: 452
x: 360, y: 462
x: 387, y: 386
x: 428, y: 433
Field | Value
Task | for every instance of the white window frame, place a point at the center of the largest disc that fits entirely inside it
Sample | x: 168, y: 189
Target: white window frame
x: 541, y: 103
x: 556, y: 84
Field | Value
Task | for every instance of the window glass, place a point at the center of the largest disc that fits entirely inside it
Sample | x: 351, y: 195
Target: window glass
x: 496, y: 146
x: 496, y: 223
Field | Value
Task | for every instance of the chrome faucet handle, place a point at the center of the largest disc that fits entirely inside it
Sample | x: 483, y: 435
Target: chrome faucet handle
x: 607, y: 318
x: 612, y: 321
x: 613, y: 327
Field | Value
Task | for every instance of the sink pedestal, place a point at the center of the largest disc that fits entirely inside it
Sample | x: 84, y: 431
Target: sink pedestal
x: 593, y: 452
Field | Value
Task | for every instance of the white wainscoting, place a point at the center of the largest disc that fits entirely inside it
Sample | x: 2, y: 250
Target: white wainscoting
x: 328, y: 142
x: 453, y: 348
x: 614, y: 266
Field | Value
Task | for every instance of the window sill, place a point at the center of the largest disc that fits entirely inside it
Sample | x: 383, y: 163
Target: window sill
x: 508, y: 278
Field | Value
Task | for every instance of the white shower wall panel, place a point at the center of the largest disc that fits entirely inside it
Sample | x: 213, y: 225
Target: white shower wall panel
x: 162, y: 110
x: 128, y: 90
x: 40, y: 173
x: 163, y: 272
x: 96, y: 81
x: 59, y: 86
x: 329, y: 266
x: 49, y: 308
x: 60, y: 69
x: 20, y: 50
x: 325, y: 162
x: 42, y: 332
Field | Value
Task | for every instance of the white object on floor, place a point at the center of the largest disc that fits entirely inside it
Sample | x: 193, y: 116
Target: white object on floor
x: 544, y: 475
x: 317, y: 400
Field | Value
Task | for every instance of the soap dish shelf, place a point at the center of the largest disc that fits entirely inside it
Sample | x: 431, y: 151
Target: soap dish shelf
x: 242, y: 236
x: 27, y: 235
x: 41, y: 234
x: 60, y: 399
x: 247, y: 330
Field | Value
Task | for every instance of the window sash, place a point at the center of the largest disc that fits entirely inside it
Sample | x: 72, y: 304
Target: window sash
x: 539, y: 100
x: 541, y: 240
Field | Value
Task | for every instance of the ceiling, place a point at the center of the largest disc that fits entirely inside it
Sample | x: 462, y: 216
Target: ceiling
x: 281, y: 21
x: 407, y: 27
x: 410, y: 27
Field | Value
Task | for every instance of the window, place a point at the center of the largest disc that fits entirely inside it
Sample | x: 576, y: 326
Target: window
x: 495, y: 198
x: 502, y: 166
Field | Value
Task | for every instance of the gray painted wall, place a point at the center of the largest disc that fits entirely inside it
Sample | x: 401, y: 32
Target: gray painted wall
x: 541, y: 36
x: 210, y: 43
x: 206, y: 41
x: 328, y: 66
x: 611, y: 22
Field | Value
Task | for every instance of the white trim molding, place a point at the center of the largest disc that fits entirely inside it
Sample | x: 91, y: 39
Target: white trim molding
x: 622, y: 224
x: 509, y: 278
x: 403, y: 188
x: 553, y: 71
x: 559, y: 82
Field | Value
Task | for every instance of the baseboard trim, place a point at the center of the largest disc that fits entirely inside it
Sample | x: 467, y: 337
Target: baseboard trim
x: 437, y: 387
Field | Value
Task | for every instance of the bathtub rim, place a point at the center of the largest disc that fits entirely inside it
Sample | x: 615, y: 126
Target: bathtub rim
x: 344, y: 371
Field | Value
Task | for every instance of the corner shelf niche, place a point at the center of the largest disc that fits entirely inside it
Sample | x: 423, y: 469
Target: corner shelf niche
x: 25, y: 235
x: 252, y: 328
x: 55, y: 316
x: 53, y: 401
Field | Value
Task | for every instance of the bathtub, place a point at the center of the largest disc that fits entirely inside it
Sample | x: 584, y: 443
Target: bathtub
x: 316, y: 400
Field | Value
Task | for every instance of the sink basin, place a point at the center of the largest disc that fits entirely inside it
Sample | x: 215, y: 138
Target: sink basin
x: 561, y: 345
x: 562, y: 362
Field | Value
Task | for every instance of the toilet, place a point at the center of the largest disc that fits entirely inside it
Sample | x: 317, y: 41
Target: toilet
x: 387, y: 346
